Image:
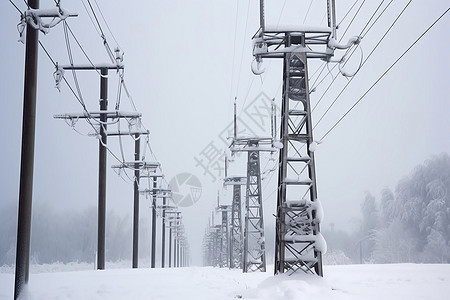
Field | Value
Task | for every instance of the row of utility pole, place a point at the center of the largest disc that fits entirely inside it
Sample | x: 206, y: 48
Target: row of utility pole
x: 178, y: 249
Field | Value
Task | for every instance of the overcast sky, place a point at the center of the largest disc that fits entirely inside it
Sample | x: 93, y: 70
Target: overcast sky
x: 185, y: 62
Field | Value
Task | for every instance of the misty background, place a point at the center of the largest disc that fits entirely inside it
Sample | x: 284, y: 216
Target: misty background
x: 382, y: 174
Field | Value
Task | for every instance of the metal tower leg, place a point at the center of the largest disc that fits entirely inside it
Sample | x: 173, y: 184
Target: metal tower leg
x: 254, y: 243
x: 236, y: 229
x: 298, y: 238
x: 224, y: 239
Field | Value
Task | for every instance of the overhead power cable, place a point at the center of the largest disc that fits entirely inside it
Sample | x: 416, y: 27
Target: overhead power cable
x: 234, y: 53
x: 363, y: 63
x: 242, y: 51
x: 307, y: 12
x: 351, y: 21
x: 362, y: 34
x: 384, y: 73
x: 96, y: 19
x: 18, y: 9
x: 107, y: 25
x: 345, y: 16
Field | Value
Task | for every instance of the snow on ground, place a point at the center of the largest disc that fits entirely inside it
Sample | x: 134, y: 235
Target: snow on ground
x: 362, y: 282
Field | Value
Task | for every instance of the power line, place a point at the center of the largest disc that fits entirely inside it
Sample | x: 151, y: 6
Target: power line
x: 351, y: 54
x: 353, y: 19
x: 77, y: 94
x: 90, y: 17
x: 106, y: 23
x: 268, y: 66
x: 384, y: 73
x: 362, y: 34
x: 18, y: 9
x: 363, y: 63
x: 96, y: 19
x: 376, y: 20
x: 307, y: 12
x: 345, y: 16
x: 69, y: 53
x: 234, y: 55
x: 82, y: 49
x: 98, y: 28
x: 242, y: 52
x: 371, y: 17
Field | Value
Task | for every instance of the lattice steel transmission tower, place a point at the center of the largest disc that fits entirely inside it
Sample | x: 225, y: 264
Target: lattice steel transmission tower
x: 254, y: 246
x: 236, y: 243
x: 298, y: 244
x: 224, y: 235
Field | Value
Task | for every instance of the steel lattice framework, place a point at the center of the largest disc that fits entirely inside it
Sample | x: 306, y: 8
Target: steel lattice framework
x: 224, y: 235
x: 254, y: 252
x: 297, y: 227
x: 236, y: 250
x: 298, y: 244
x: 254, y: 242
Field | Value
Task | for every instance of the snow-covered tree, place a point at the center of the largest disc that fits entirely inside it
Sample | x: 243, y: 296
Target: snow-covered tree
x: 394, y: 244
x: 416, y: 222
x: 387, y: 208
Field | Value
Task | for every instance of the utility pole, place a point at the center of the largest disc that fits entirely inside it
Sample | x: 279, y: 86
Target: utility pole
x: 137, y: 157
x: 163, y: 233
x: 153, y: 256
x: 136, y: 165
x: 166, y: 213
x: 155, y: 193
x: 170, y: 243
x: 103, y: 115
x: 173, y: 218
x: 33, y: 19
x: 298, y: 243
x: 101, y: 236
x: 27, y: 158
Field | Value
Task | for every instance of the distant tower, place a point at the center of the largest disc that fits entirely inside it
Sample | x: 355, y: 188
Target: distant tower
x: 254, y: 252
x: 236, y: 237
x: 254, y: 240
x: 224, y: 237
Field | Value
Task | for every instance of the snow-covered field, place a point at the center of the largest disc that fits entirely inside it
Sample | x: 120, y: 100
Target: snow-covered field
x: 397, y: 281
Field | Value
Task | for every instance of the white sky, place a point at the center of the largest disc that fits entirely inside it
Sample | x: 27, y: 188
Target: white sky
x: 185, y: 63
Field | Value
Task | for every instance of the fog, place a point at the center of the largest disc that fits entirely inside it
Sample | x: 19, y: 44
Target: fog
x: 185, y: 62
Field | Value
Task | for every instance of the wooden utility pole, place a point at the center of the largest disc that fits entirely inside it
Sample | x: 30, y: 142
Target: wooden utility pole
x: 153, y: 245
x: 163, y: 234
x: 27, y: 157
x: 102, y: 171
x: 137, y: 155
x: 136, y: 165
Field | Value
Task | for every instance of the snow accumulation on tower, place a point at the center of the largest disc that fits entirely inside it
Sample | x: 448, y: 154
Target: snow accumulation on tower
x: 299, y: 244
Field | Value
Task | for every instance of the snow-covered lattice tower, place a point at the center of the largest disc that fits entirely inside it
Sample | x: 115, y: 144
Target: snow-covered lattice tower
x: 254, y: 252
x: 224, y: 235
x: 299, y: 244
x: 254, y: 246
x: 236, y: 237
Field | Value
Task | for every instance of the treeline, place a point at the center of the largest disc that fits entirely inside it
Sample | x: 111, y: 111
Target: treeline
x: 69, y: 236
x: 409, y: 224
